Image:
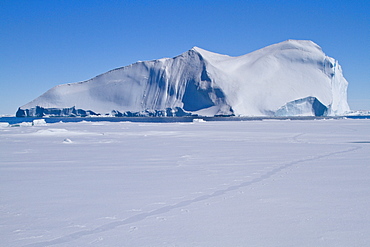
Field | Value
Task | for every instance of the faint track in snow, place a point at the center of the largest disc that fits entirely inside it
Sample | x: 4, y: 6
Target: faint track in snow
x: 296, y: 138
x: 165, y: 209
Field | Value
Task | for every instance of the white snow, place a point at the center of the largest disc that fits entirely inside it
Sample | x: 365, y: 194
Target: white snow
x: 3, y: 125
x: 39, y: 122
x: 199, y: 81
x: 252, y: 183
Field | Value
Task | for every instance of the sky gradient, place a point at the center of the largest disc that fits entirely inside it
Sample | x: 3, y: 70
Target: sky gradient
x: 47, y: 43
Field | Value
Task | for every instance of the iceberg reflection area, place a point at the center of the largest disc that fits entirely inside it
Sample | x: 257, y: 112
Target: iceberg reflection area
x: 201, y: 183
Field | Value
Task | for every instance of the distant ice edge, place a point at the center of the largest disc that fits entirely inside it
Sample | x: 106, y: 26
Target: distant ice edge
x: 291, y: 78
x: 73, y: 112
x: 309, y: 106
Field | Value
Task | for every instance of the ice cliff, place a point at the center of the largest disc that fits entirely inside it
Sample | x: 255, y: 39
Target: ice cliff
x: 290, y: 78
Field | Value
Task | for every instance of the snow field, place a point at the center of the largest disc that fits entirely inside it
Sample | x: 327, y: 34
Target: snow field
x: 254, y: 183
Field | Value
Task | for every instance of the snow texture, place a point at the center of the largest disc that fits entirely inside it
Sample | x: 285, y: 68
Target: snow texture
x: 283, y: 79
x: 251, y: 183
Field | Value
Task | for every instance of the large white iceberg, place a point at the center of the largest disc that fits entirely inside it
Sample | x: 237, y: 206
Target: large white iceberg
x: 290, y: 78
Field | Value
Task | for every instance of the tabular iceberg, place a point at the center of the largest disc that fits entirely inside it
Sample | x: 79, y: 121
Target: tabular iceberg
x: 291, y: 78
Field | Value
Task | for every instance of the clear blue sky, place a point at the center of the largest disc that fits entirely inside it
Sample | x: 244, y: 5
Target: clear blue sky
x: 47, y: 43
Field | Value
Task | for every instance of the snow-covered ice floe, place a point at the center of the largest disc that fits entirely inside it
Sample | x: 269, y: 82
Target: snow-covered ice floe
x: 251, y: 183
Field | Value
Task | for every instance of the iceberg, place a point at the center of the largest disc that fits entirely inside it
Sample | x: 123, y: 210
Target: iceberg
x: 291, y: 78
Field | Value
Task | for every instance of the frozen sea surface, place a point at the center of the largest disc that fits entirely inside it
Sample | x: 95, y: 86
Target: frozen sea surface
x: 252, y: 183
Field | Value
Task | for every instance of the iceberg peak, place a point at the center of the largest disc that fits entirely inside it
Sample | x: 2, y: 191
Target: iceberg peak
x: 208, y: 55
x: 304, y: 45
